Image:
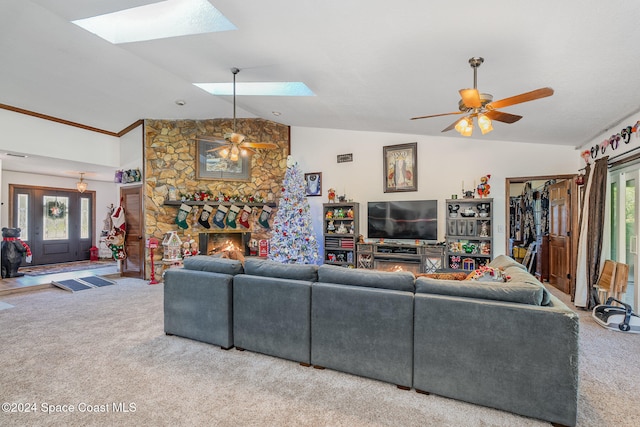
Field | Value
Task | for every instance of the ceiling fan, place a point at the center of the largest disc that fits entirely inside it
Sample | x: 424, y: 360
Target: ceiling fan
x: 482, y: 106
x: 234, y: 143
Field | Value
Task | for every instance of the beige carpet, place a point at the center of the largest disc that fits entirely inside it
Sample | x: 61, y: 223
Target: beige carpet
x: 107, y: 348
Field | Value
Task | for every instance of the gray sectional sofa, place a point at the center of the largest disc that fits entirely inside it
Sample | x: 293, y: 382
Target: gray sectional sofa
x: 511, y: 346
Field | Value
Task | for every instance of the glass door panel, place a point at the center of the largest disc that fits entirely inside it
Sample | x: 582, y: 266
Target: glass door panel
x: 631, y: 235
x: 55, y: 218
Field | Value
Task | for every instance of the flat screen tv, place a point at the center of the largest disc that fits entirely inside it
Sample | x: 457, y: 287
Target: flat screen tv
x: 415, y: 219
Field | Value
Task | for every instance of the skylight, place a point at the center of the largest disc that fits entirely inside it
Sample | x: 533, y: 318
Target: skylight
x: 169, y: 18
x: 258, y: 88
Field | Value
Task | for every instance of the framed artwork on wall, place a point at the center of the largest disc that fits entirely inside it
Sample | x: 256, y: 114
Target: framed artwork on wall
x: 400, y: 167
x: 212, y: 164
x: 313, y: 184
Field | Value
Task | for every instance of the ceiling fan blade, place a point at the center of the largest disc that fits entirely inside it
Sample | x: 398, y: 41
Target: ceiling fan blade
x: 471, y: 98
x: 435, y: 115
x: 268, y: 145
x: 244, y: 147
x: 523, y: 97
x: 218, y: 148
x: 502, y: 116
x: 211, y: 139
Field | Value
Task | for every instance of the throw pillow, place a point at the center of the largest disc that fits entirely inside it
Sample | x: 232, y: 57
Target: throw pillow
x: 488, y: 274
x: 444, y: 276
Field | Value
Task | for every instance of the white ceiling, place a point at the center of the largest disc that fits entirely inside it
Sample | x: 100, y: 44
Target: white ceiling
x: 372, y: 64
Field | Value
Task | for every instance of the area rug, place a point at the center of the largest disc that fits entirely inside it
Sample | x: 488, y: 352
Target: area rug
x: 82, y: 283
x: 39, y: 270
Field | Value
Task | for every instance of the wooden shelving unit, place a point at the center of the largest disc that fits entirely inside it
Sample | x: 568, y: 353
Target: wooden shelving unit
x: 469, y: 233
x: 340, y: 230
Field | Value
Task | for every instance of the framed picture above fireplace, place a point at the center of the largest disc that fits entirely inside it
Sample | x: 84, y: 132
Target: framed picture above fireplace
x: 400, y: 167
x: 211, y: 164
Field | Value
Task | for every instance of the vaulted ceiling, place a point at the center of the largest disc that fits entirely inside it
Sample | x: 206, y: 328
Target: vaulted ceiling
x: 371, y: 64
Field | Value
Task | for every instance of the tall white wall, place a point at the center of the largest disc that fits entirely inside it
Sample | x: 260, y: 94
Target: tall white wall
x: 443, y: 163
x: 131, y: 149
x: 30, y: 135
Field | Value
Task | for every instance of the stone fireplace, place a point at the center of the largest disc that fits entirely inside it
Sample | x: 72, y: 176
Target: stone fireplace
x: 227, y: 240
x: 172, y: 166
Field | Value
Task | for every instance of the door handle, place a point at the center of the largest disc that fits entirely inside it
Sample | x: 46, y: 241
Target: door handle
x: 633, y: 244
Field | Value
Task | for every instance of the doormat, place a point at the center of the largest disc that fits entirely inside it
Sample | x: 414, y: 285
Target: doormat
x: 39, y: 270
x: 83, y: 283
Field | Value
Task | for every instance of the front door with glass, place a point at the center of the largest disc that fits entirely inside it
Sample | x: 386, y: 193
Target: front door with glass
x: 56, y: 223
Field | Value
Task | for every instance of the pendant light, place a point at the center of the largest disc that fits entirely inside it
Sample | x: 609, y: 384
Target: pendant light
x: 81, y: 185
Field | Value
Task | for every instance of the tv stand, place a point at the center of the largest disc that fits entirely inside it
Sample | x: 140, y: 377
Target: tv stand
x: 424, y: 258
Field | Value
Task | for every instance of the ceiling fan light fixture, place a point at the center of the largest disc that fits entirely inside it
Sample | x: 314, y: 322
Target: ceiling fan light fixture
x: 484, y: 123
x: 81, y: 185
x: 235, y: 151
x: 464, y: 123
x: 468, y: 130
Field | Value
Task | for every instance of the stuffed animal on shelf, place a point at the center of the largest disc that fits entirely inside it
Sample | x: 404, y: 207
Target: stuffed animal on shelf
x: 484, y: 188
x: 332, y: 195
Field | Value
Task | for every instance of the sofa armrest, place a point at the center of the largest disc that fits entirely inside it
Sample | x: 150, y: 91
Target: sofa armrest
x: 514, y: 357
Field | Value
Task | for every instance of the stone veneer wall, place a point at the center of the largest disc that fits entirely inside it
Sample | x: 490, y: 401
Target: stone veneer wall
x: 170, y: 161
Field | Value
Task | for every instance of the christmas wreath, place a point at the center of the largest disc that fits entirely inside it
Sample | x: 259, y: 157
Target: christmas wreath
x: 56, y: 210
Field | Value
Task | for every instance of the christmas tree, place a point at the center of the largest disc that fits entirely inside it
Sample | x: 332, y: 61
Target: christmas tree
x: 293, y: 241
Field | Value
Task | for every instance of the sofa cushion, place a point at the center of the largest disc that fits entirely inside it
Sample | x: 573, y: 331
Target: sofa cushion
x: 522, y: 293
x: 503, y: 261
x: 268, y: 268
x: 213, y: 264
x: 399, y: 280
x: 520, y: 276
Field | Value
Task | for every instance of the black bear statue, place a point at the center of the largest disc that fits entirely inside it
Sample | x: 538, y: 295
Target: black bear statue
x: 13, y: 252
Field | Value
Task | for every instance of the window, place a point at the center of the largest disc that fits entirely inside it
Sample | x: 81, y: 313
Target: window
x: 55, y: 218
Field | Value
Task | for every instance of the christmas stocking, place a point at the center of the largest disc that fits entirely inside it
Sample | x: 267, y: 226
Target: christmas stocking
x: 233, y: 215
x: 264, y: 216
x: 204, y: 216
x: 183, y: 212
x: 117, y: 218
x: 218, y: 218
x: 115, y: 241
x: 244, y: 216
x: 195, y: 214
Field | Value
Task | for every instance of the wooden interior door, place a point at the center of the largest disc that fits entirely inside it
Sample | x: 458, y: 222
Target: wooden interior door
x: 560, y: 235
x: 133, y: 264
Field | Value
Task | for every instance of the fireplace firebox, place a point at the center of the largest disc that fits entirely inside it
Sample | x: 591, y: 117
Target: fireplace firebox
x: 215, y: 242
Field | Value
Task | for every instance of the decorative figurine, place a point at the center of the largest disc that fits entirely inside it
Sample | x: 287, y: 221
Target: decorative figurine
x: 484, y: 188
x: 332, y: 195
x: 14, y: 250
